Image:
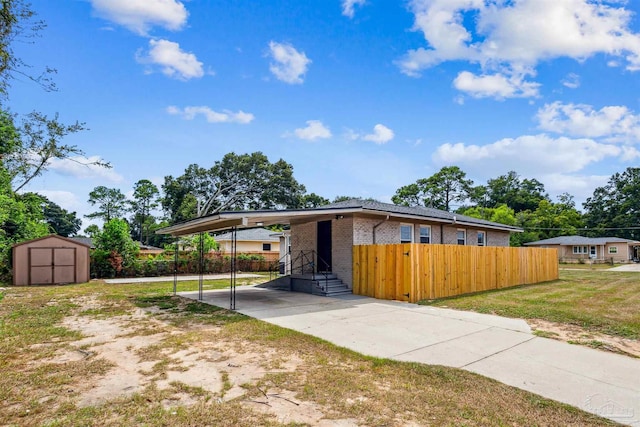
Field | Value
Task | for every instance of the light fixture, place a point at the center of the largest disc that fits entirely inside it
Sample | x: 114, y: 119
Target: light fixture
x: 339, y: 216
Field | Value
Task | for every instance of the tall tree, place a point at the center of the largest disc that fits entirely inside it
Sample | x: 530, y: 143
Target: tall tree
x: 18, y: 23
x: 519, y: 194
x: 111, y: 203
x: 616, y: 206
x: 145, y: 199
x: 312, y: 200
x: 61, y: 221
x: 236, y: 182
x: 440, y: 190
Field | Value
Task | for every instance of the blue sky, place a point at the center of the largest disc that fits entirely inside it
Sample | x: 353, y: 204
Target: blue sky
x: 361, y: 96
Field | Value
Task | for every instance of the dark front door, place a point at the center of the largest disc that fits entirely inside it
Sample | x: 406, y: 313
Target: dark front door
x: 324, y: 246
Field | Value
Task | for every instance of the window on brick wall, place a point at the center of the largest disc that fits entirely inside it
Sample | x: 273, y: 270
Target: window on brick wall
x: 406, y: 233
x: 425, y: 234
x: 613, y: 249
x: 462, y: 237
x: 482, y: 238
x: 579, y: 250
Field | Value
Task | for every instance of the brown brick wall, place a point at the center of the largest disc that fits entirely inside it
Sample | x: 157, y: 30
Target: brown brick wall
x: 342, y: 249
x: 303, y: 238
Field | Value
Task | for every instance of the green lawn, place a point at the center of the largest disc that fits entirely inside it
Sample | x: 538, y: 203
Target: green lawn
x: 599, y: 301
x: 334, y: 382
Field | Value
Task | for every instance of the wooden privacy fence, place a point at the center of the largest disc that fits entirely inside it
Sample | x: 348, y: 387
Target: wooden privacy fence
x: 413, y: 272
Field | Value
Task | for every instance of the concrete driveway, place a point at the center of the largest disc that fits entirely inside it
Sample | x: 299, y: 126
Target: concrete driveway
x: 504, y: 349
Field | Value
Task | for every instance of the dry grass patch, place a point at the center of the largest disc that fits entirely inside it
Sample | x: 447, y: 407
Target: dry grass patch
x: 99, y: 355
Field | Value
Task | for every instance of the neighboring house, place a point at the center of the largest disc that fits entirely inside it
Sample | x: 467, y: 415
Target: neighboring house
x: 330, y: 232
x: 574, y: 248
x: 87, y: 241
x: 250, y: 240
x: 144, y: 249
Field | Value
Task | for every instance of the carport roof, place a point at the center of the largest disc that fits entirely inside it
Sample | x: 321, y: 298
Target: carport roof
x: 260, y: 218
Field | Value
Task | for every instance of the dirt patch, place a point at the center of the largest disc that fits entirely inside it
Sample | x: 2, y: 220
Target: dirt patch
x: 577, y: 335
x: 191, y: 374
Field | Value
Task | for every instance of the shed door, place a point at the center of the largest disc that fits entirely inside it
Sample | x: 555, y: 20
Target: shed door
x: 49, y: 266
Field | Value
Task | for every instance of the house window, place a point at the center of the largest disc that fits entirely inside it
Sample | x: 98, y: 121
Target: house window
x: 613, y: 249
x: 406, y: 233
x: 482, y: 238
x: 577, y: 250
x: 425, y: 234
x: 266, y: 247
x: 462, y: 237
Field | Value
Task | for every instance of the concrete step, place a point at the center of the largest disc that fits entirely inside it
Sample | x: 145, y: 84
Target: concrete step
x: 315, y: 276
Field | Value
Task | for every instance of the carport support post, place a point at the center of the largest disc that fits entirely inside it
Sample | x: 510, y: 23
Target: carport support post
x: 175, y: 268
x: 201, y: 266
x: 232, y: 288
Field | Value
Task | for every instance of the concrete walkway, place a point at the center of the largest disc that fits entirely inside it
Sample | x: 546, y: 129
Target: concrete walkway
x: 627, y: 267
x: 180, y: 278
x: 504, y: 349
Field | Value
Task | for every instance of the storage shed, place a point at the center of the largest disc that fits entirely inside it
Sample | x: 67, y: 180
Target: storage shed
x: 50, y: 260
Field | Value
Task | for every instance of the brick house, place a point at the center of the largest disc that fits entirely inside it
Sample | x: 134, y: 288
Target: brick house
x: 325, y: 235
x: 599, y: 249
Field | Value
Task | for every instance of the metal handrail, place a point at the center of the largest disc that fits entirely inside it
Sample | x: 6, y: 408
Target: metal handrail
x: 305, y: 262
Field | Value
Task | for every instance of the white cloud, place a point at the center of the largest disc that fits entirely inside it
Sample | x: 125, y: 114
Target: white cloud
x: 141, y: 15
x: 81, y: 167
x: 496, y: 86
x: 65, y: 199
x: 348, y: 7
x: 173, y: 61
x: 530, y: 155
x: 614, y: 123
x: 501, y: 40
x: 288, y: 64
x: 572, y: 81
x: 226, y: 116
x: 381, y: 135
x: 314, y: 130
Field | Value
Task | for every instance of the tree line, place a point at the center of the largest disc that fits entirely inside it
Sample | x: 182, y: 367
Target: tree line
x: 252, y: 182
x: 249, y: 182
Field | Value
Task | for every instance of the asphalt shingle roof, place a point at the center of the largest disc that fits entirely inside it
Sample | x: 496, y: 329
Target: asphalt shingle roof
x: 415, y: 210
x: 579, y: 240
x: 250, y: 234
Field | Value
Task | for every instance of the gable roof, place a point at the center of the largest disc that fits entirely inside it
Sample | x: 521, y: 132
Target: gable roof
x: 259, y: 218
x: 580, y: 240
x: 54, y: 236
x: 250, y: 235
x: 87, y: 241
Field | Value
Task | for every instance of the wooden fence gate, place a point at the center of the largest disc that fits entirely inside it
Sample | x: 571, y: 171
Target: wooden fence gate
x: 413, y: 272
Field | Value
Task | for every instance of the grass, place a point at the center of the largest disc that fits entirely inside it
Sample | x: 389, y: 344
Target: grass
x: 339, y: 382
x: 604, y: 302
x: 587, y: 266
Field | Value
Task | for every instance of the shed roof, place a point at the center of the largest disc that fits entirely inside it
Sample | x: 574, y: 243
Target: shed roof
x: 54, y: 236
x: 259, y: 218
x: 580, y: 240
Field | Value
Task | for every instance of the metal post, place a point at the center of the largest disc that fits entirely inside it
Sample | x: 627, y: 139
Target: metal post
x: 201, y: 267
x: 175, y: 268
x: 232, y: 290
